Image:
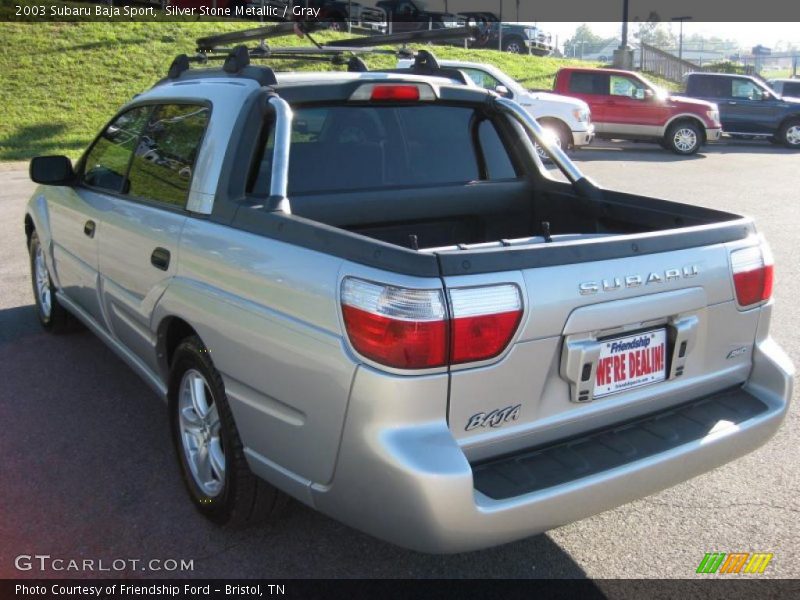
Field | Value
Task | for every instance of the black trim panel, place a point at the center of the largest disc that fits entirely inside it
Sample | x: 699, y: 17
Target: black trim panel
x: 471, y: 262
x: 613, y: 447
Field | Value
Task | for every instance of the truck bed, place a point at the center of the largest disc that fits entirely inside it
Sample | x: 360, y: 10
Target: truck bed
x: 502, y: 225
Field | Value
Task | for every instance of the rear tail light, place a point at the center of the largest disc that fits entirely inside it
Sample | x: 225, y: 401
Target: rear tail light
x: 484, y: 321
x: 752, y: 275
x: 412, y: 329
x: 397, y: 327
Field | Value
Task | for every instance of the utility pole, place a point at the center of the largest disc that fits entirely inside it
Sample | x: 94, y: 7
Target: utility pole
x: 680, y: 35
x: 624, y: 43
x: 500, y: 28
x: 623, y: 57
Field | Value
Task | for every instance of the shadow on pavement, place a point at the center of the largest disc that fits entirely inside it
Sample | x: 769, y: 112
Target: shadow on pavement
x: 89, y: 472
x: 606, y: 150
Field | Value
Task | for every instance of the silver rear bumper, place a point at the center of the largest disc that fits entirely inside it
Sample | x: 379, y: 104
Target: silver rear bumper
x: 402, y: 477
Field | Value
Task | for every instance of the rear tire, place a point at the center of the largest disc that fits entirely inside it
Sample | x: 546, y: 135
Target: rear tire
x: 53, y: 317
x: 683, y: 138
x: 211, y: 455
x: 789, y: 134
x: 515, y: 45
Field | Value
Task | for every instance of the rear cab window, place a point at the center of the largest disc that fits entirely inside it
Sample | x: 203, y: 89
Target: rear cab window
x: 342, y: 148
x: 791, y: 88
x: 709, y: 86
x: 583, y: 82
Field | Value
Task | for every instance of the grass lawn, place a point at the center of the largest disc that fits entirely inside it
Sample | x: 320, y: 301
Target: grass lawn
x: 61, y: 82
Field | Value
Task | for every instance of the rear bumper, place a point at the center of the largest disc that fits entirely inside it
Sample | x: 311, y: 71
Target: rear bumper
x: 583, y: 138
x: 402, y: 477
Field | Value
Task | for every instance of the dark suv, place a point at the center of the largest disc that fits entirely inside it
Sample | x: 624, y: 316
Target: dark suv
x: 748, y: 107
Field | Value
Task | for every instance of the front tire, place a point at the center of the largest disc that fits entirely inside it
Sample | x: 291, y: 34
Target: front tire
x: 789, y: 134
x: 211, y: 455
x: 53, y: 317
x: 683, y: 138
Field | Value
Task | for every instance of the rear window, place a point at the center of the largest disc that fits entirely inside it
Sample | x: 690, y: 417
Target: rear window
x: 348, y: 148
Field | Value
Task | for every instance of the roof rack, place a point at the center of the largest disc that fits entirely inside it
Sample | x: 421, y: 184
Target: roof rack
x: 236, y: 60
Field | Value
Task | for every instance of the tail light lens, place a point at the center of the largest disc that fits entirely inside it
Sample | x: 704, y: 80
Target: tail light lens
x: 411, y: 329
x: 397, y: 327
x: 395, y: 93
x: 752, y: 275
x: 484, y: 321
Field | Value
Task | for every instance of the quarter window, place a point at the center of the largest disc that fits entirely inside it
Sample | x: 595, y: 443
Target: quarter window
x: 162, y: 165
x: 107, y: 161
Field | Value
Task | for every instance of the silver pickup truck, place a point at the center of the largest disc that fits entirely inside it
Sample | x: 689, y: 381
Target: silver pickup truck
x: 365, y: 291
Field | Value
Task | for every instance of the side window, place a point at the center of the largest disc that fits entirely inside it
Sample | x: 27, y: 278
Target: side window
x: 746, y: 89
x: 107, y: 161
x: 482, y: 79
x: 625, y: 86
x: 498, y: 163
x: 163, y: 161
x: 588, y: 83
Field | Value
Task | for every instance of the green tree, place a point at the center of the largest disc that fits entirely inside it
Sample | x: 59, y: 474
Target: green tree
x: 583, y: 35
x: 654, y: 32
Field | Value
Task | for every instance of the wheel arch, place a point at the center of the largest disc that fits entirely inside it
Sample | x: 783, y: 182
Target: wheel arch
x: 30, y: 227
x: 562, y: 126
x: 172, y: 330
x: 788, y: 119
x: 687, y: 118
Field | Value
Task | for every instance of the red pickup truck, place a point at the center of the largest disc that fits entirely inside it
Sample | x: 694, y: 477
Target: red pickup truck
x: 625, y: 105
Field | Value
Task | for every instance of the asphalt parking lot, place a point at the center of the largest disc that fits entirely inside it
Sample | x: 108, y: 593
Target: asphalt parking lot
x: 88, y: 470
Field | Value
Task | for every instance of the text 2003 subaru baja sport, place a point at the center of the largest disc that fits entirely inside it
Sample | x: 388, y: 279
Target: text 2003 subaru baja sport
x: 363, y: 290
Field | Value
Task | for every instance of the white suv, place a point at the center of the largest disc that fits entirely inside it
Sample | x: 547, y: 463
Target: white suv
x: 567, y: 119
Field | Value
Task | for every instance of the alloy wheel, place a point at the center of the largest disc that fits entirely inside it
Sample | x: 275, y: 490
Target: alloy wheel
x: 685, y: 139
x: 42, y: 279
x: 200, y: 433
x: 793, y: 135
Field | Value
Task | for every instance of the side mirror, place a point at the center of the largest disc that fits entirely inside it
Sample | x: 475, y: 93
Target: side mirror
x: 52, y: 170
x: 503, y: 91
x: 649, y: 95
x: 765, y: 95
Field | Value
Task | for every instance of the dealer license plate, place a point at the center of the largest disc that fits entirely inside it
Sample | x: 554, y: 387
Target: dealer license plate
x: 630, y: 362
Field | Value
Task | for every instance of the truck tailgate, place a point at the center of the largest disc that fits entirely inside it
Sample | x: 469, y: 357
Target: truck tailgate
x: 603, y: 342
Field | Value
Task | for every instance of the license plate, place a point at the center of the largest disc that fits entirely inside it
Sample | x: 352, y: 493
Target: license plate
x: 630, y: 362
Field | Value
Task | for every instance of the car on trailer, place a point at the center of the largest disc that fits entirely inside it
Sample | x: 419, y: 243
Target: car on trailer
x: 370, y: 295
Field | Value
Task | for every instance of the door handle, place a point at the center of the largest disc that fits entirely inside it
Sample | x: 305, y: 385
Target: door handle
x: 732, y: 103
x: 88, y: 228
x: 160, y: 258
